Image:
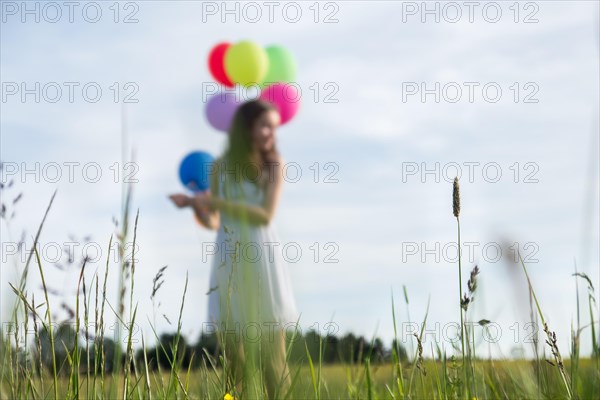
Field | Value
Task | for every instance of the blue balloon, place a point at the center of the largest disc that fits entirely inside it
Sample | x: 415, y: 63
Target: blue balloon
x: 194, y: 170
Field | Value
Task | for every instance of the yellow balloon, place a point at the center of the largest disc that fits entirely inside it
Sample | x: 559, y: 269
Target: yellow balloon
x: 246, y: 63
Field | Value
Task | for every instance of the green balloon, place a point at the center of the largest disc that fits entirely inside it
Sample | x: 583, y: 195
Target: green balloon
x: 282, y: 66
x: 246, y: 63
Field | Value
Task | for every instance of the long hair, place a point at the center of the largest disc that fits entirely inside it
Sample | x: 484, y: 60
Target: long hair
x: 237, y: 157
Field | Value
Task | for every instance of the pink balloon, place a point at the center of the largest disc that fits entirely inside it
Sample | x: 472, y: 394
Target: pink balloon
x: 285, y: 97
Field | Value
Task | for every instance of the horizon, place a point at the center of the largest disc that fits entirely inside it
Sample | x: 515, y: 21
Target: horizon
x: 376, y: 151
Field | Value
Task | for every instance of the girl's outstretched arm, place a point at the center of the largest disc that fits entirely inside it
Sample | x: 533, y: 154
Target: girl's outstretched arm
x: 203, y: 216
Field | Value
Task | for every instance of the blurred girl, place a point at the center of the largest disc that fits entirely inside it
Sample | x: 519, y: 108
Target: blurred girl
x: 250, y: 295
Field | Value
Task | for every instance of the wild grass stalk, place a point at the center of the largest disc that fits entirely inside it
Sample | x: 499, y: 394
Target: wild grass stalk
x: 408, y: 320
x: 467, y: 300
x: 418, y: 359
x: 99, y: 354
x: 437, y: 376
x: 132, y: 314
x: 591, y: 305
x: 17, y: 313
x: 124, y: 273
x: 533, y: 319
x: 75, y: 357
x: 175, y: 381
x: 369, y: 379
x: 157, y: 282
x: 592, y: 325
x: 287, y: 359
x: 551, y: 336
x: 456, y: 213
x: 49, y: 318
x: 314, y: 379
x: 575, y: 335
x: 399, y: 378
x: 86, y: 334
x: 38, y: 343
x: 125, y: 264
x: 148, y: 393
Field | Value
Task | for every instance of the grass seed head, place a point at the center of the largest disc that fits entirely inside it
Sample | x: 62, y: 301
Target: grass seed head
x: 456, y: 198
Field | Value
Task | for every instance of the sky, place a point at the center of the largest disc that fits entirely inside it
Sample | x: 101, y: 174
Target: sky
x: 516, y: 116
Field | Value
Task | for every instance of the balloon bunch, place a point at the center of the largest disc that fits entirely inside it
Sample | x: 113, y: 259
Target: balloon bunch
x: 245, y: 63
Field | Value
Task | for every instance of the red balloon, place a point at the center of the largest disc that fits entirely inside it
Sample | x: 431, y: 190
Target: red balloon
x: 215, y: 64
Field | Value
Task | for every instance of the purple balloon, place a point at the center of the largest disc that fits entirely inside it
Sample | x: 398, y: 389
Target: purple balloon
x: 220, y: 110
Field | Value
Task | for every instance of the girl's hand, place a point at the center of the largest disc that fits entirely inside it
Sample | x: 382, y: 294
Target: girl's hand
x: 181, y: 200
x: 202, y: 204
x: 203, y: 200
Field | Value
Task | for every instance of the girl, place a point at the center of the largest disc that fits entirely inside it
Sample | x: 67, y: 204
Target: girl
x: 250, y: 297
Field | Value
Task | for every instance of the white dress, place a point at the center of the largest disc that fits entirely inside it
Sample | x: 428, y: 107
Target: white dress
x: 250, y: 285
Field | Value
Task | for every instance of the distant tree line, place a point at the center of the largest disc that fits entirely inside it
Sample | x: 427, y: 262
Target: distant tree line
x: 348, y: 348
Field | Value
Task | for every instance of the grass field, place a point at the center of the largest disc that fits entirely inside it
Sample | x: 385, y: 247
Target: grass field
x: 508, y: 379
